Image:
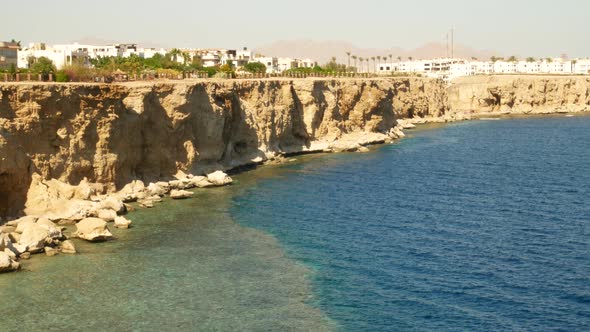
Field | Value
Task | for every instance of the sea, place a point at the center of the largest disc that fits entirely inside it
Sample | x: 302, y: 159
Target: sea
x: 468, y: 226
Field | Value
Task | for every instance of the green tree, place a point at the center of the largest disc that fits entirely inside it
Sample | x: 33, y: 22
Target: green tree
x: 255, y: 67
x: 43, y: 66
x: 530, y: 59
x: 512, y: 58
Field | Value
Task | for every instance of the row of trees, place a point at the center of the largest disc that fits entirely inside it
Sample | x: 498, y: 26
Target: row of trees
x: 376, y: 61
x: 84, y: 69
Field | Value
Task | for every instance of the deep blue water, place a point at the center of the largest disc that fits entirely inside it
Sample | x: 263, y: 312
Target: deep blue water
x: 479, y: 225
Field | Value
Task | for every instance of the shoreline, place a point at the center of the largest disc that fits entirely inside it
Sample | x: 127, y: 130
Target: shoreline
x: 136, y: 195
x: 57, y: 204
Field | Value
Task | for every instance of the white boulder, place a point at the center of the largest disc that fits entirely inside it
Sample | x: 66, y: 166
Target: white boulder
x: 93, y: 229
x: 107, y: 215
x: 219, y: 178
x: 7, y: 264
x: 34, y: 237
x: 67, y: 247
x: 122, y: 222
x: 112, y: 203
x: 180, y: 194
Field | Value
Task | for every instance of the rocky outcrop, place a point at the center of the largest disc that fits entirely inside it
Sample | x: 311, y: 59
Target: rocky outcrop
x: 93, y: 230
x: 63, y: 147
x: 97, y: 138
x: 518, y: 94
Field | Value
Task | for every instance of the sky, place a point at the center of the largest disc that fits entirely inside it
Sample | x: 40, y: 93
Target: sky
x: 510, y: 27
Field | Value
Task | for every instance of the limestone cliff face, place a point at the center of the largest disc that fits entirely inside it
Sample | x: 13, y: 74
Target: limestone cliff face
x: 480, y: 95
x: 112, y: 134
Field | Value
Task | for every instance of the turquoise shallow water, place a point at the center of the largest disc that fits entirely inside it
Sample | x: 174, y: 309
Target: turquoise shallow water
x: 185, y: 266
x: 469, y: 226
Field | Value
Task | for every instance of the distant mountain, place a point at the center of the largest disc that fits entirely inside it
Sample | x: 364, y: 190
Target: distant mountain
x: 323, y: 51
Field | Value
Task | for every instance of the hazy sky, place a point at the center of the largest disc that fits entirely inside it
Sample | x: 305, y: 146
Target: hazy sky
x: 521, y: 27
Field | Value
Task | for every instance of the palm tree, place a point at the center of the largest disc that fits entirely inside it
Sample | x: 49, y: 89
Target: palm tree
x: 530, y: 59
x: 410, y: 58
x: 399, y: 59
x: 362, y: 62
x: 348, y: 54
x: 379, y: 59
x: 391, y: 58
x: 354, y: 57
x: 549, y: 60
x: 512, y: 59
x: 174, y: 53
x: 574, y: 62
x: 374, y: 65
x: 185, y: 57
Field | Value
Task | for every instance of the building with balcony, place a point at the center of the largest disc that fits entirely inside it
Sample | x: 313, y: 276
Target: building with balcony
x: 8, y: 55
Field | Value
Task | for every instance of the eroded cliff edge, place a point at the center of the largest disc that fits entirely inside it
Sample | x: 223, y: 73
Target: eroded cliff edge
x: 518, y: 94
x: 113, y: 134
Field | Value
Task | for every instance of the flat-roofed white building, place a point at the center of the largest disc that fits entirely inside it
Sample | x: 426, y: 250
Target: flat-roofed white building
x: 580, y: 66
x: 271, y: 63
x: 504, y: 67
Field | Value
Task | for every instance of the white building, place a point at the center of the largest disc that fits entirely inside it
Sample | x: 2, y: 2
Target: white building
x: 271, y: 63
x: 67, y: 54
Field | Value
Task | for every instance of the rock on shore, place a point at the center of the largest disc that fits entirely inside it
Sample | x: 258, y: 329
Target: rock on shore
x: 93, y: 229
x: 76, y: 154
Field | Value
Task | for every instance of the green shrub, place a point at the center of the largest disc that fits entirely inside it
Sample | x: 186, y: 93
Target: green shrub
x: 61, y: 76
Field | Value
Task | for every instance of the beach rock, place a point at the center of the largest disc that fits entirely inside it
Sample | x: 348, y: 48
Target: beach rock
x: 201, y: 182
x: 107, y: 215
x: 132, y: 191
x: 25, y: 255
x: 7, y: 229
x: 122, y: 222
x: 112, y: 203
x: 146, y: 204
x: 178, y: 184
x: 7, y: 264
x: 180, y: 194
x: 51, y: 251
x: 15, y: 222
x: 5, y: 241
x: 156, y: 189
x: 219, y: 178
x: 164, y: 185
x: 93, y: 229
x: 54, y: 232
x: 84, y: 190
x: 34, y: 237
x: 10, y: 253
x: 24, y: 222
x: 14, y: 237
x: 362, y: 149
x: 67, y: 247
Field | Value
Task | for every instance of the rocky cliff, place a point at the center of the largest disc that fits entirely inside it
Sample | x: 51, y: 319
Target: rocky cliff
x: 485, y: 95
x: 113, y: 134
